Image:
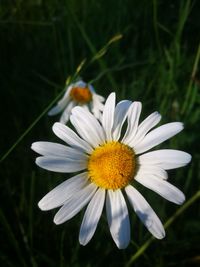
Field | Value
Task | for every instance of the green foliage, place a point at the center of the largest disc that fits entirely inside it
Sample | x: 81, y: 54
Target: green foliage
x: 144, y: 50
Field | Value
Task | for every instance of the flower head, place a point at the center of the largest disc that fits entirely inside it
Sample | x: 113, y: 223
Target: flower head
x: 78, y: 94
x: 110, y: 164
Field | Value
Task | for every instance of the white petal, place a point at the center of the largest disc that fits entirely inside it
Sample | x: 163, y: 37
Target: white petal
x: 96, y: 110
x: 145, y: 212
x: 85, y: 107
x: 145, y: 126
x: 58, y: 164
x: 63, y: 192
x: 73, y: 205
x: 66, y: 114
x: 146, y: 169
x: 57, y: 109
x: 118, y: 219
x: 162, y: 187
x: 157, y: 136
x: 61, y: 104
x: 97, y: 102
x: 80, y: 83
x: 91, y: 217
x: 70, y: 137
x: 91, y: 88
x: 108, y: 115
x: 120, y: 115
x: 133, y: 119
x: 98, y: 98
x: 87, y: 126
x: 165, y: 158
x: 58, y: 150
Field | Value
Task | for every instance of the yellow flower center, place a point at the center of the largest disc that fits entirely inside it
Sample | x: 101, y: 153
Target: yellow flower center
x: 112, y: 165
x: 82, y: 95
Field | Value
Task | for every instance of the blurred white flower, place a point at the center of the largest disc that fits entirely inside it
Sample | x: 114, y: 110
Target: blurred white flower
x: 110, y: 164
x: 78, y: 94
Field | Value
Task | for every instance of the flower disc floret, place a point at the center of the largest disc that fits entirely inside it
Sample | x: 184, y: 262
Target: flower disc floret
x: 112, y: 165
x: 81, y: 95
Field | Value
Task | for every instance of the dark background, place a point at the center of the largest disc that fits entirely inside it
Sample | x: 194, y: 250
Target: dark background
x: 156, y: 61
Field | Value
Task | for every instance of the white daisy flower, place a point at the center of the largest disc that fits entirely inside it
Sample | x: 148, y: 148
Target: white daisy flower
x: 78, y: 94
x: 109, y: 164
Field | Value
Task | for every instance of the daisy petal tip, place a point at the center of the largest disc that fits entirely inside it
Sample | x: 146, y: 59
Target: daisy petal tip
x: 40, y: 161
x: 189, y: 158
x: 36, y: 146
x: 176, y: 126
x: 112, y: 96
x: 180, y: 125
x: 75, y: 110
x: 33, y: 146
x: 161, y: 235
x: 181, y: 199
x: 56, y: 125
x: 123, y: 245
x: 56, y: 221
x: 50, y: 113
x: 159, y: 115
x: 186, y: 158
x: 37, y: 161
x: 138, y: 104
x: 41, y: 205
x: 83, y: 242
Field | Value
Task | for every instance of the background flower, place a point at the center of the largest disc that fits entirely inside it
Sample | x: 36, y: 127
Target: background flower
x: 78, y: 94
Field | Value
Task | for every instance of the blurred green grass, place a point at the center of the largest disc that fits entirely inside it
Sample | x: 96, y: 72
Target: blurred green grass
x: 156, y: 61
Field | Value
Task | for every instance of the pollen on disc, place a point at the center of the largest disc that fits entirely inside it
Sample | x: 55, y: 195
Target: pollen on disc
x: 112, y: 165
x: 81, y: 95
